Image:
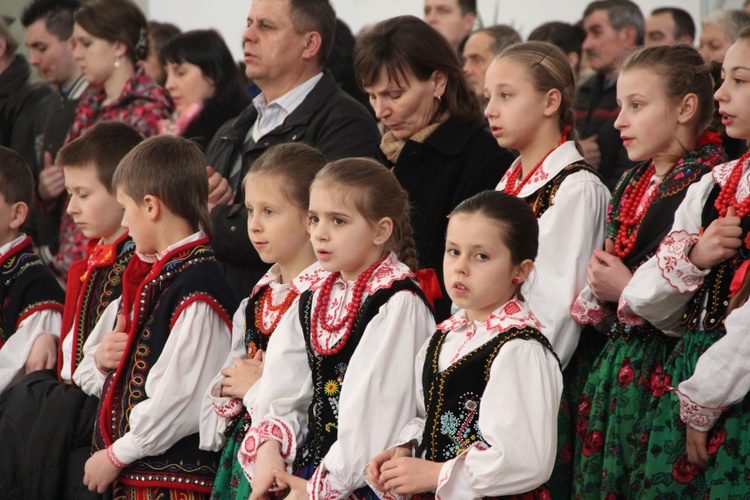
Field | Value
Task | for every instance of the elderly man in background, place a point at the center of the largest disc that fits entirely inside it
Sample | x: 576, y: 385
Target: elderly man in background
x: 480, y: 50
x: 669, y: 26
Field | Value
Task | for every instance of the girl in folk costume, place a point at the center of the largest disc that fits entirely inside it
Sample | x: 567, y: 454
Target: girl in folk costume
x: 666, y: 99
x: 341, y: 389
x: 489, y: 382
x: 531, y: 89
x: 685, y: 287
x: 277, y: 193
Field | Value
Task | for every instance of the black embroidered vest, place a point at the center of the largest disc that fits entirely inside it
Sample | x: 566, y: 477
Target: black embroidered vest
x: 26, y: 286
x: 190, y: 274
x: 715, y: 288
x: 544, y: 197
x: 656, y: 223
x: 89, y: 297
x: 328, y: 373
x: 453, y: 398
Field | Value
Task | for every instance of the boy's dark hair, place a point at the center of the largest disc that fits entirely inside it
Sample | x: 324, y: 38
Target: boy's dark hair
x: 102, y: 146
x: 174, y: 170
x: 57, y: 15
x: 16, y: 179
x: 518, y: 225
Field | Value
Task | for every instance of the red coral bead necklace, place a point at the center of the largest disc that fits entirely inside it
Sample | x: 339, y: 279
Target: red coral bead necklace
x: 630, y: 216
x: 352, y: 309
x: 267, y: 308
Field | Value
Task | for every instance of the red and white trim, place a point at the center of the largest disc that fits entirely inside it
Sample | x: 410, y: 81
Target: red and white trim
x: 676, y: 268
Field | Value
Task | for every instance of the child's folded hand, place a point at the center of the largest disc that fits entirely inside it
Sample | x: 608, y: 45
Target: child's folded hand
x: 240, y: 379
x: 720, y: 241
x: 100, y: 472
x: 43, y: 354
x: 112, y: 347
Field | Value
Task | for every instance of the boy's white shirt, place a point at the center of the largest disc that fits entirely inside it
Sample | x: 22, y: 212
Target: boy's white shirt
x: 15, y: 351
x: 176, y: 382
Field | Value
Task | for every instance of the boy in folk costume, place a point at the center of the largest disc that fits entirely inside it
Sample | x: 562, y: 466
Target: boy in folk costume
x: 30, y: 298
x: 46, y: 406
x: 172, y: 332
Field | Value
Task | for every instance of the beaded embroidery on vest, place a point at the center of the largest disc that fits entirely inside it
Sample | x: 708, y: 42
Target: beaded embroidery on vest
x: 716, y: 286
x: 543, y: 198
x: 453, y: 398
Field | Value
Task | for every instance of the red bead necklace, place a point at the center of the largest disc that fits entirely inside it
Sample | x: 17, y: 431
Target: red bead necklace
x: 728, y: 193
x: 510, y: 185
x: 630, y: 216
x: 352, y: 309
x: 267, y: 308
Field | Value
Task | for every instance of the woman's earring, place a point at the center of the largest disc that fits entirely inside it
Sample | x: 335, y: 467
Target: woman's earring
x: 514, y: 281
x: 117, y: 61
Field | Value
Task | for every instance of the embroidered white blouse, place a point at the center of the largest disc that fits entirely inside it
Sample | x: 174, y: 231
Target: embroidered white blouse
x: 15, y: 351
x: 722, y: 375
x: 569, y: 232
x: 517, y: 415
x: 176, y: 382
x: 376, y: 400
x: 218, y: 409
x: 662, y: 287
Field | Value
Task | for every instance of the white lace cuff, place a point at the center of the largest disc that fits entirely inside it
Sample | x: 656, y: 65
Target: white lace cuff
x: 676, y: 268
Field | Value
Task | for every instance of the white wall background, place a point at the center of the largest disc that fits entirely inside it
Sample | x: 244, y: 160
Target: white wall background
x: 228, y: 16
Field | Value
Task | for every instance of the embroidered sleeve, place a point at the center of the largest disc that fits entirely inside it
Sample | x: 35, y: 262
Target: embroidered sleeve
x: 626, y: 315
x: 701, y: 418
x: 113, y: 458
x: 587, y: 310
x: 676, y: 268
x: 269, y: 429
x: 230, y: 409
x: 322, y: 486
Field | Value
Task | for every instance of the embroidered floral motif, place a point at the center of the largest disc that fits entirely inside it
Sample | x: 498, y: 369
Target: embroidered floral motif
x: 721, y: 175
x: 676, y: 268
x: 512, y: 314
x: 230, y: 409
x: 462, y: 429
x: 587, y: 309
x: 697, y: 416
x: 270, y: 429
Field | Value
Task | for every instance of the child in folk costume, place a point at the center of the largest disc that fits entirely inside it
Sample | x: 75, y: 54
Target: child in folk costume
x: 666, y: 96
x: 46, y: 404
x: 488, y: 380
x: 531, y: 89
x: 30, y: 298
x: 277, y: 194
x: 171, y: 336
x: 685, y: 287
x: 341, y: 388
